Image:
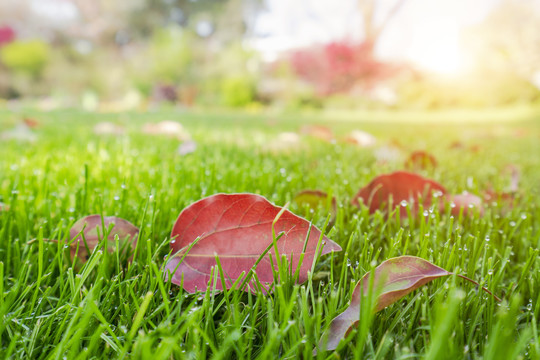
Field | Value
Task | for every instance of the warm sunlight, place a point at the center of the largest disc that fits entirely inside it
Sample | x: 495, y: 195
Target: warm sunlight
x: 437, y: 51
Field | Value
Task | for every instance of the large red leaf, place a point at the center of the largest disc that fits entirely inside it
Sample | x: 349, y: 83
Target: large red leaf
x: 237, y: 228
x: 393, y: 279
x: 391, y: 190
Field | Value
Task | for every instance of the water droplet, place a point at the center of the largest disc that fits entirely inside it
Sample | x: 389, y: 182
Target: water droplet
x: 512, y: 223
x: 116, y: 198
x: 403, y: 203
x: 487, y: 238
x: 490, y: 272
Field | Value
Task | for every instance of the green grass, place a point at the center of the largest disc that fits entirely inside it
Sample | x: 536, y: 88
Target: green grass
x: 50, y: 309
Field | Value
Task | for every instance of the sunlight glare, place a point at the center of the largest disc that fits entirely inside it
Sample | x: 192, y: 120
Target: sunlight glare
x: 437, y: 49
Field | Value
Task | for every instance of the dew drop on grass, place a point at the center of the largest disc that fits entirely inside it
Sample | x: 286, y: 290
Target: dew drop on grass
x: 523, y: 216
x: 403, y: 203
x: 116, y: 198
x: 512, y: 223
x: 426, y: 213
x: 490, y: 272
x: 529, y: 305
x: 487, y: 238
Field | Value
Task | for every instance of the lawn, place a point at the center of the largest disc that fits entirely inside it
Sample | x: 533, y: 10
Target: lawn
x: 109, y: 308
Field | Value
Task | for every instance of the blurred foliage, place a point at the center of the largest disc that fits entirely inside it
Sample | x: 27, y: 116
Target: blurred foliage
x: 194, y: 53
x: 486, y: 89
x: 338, y: 67
x: 237, y: 91
x: 26, y: 57
x: 167, y: 59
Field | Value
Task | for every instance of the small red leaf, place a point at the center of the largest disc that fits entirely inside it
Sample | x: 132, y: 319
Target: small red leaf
x: 31, y: 123
x: 393, y: 279
x: 237, y: 228
x: 392, y: 189
x: 92, y: 225
x: 317, y: 131
x: 420, y: 160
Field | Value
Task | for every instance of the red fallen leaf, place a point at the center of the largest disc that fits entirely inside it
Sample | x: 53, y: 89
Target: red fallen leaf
x: 237, y: 228
x: 475, y: 148
x: 391, y: 189
x: 456, y: 145
x: 468, y: 202
x: 317, y: 131
x: 393, y: 279
x: 31, y: 123
x: 314, y: 199
x: 90, y: 225
x: 420, y: 160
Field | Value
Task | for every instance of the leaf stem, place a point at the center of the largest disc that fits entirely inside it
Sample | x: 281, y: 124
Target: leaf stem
x: 477, y: 284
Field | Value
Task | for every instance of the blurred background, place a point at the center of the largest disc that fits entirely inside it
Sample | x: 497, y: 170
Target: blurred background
x: 253, y: 54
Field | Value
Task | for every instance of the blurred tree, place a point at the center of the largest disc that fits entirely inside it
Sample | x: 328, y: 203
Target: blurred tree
x: 338, y: 67
x: 7, y: 35
x: 375, y: 19
x: 508, y: 41
x: 28, y: 57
